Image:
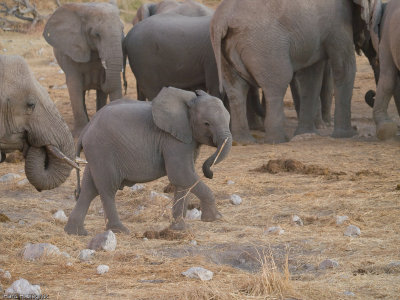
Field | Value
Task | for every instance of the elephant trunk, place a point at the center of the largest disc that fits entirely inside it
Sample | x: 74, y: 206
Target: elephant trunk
x: 113, y: 63
x: 224, y: 145
x: 50, y: 155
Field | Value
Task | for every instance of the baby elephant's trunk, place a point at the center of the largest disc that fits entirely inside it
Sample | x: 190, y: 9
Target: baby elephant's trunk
x: 224, y: 145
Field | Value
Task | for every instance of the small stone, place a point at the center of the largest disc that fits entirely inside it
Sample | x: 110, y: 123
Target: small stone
x: 102, y: 269
x: 341, y: 219
x: 35, y: 251
x: 352, y: 230
x: 230, y: 182
x: 199, y: 272
x: 69, y: 264
x: 193, y: 214
x: 235, y: 199
x: 348, y: 293
x: 86, y: 254
x: 297, y: 220
x: 154, y: 195
x: 137, y: 187
x: 41, y: 78
x: 60, y: 71
x: 275, y: 230
x: 23, y: 182
x: 328, y: 264
x: 60, y: 216
x: 23, y: 287
x: 193, y: 242
x: 9, y: 177
x: 21, y: 222
x: 145, y: 239
x: 106, y: 241
x: 40, y: 51
x: 7, y: 275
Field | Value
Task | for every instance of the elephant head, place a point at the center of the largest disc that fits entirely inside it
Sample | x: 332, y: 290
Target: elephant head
x: 78, y: 29
x: 194, y: 117
x: 150, y: 9
x: 30, y: 122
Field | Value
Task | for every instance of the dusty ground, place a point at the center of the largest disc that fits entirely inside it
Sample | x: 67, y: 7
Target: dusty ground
x: 360, y: 178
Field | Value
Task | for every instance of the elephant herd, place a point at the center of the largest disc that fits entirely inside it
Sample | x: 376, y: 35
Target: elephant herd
x: 185, y: 58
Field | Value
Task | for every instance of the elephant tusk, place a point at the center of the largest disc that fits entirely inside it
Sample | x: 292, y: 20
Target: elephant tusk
x: 103, y: 62
x: 81, y: 161
x: 57, y: 153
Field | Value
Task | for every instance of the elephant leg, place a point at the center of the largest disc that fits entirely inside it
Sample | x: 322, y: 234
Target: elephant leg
x: 101, y: 99
x: 236, y: 89
x: 209, y: 210
x: 179, y: 208
x: 115, y: 95
x: 343, y: 63
x: 254, y: 120
x: 326, y: 95
x: 75, y: 224
x: 309, y: 80
x: 397, y: 94
x: 385, y: 127
x: 141, y: 96
x: 318, y: 121
x: 76, y: 95
x: 294, y: 89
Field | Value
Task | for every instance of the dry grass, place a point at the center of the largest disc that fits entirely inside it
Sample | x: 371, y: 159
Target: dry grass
x: 151, y: 269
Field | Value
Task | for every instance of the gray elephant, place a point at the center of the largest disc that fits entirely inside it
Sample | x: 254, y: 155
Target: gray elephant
x: 31, y: 123
x: 384, y: 28
x: 87, y: 41
x: 265, y: 42
x: 188, y: 8
x: 130, y: 142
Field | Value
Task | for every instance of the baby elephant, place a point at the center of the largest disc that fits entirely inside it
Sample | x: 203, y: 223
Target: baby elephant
x: 130, y: 142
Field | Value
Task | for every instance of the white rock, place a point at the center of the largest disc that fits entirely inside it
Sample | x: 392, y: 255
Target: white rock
x: 235, y: 199
x: 341, y: 219
x: 275, y: 230
x: 348, y: 293
x: 9, y: 177
x: 69, y: 264
x: 193, y: 214
x: 328, y: 264
x: 102, y: 269
x: 297, y: 220
x: 198, y: 272
x: 86, y: 254
x: 7, y: 275
x: 137, y: 187
x: 60, y: 71
x: 5, y: 50
x: 154, y: 195
x: 23, y: 287
x: 21, y: 222
x: 40, y: 51
x: 145, y: 239
x: 106, y: 241
x: 35, y: 251
x: 352, y: 230
x: 23, y: 182
x: 60, y: 216
x: 193, y: 242
x: 41, y: 78
x: 230, y: 182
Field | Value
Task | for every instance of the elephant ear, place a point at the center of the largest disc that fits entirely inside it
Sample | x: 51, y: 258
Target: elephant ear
x: 145, y: 11
x: 374, y: 26
x: 64, y: 31
x: 171, y: 112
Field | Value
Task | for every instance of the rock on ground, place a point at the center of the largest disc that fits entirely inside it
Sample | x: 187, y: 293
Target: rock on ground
x: 275, y: 230
x: 137, y: 187
x: 352, y: 230
x: 297, y: 220
x: 154, y: 195
x: 199, y: 272
x: 60, y: 216
x: 104, y: 241
x: 230, y: 182
x: 35, y: 251
x: 9, y: 177
x: 341, y: 219
x: 86, y: 254
x: 102, y: 269
x: 7, y: 275
x: 193, y: 214
x: 23, y: 287
x: 328, y: 264
x: 235, y: 199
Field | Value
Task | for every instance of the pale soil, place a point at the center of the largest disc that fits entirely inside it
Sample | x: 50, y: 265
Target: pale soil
x: 231, y: 248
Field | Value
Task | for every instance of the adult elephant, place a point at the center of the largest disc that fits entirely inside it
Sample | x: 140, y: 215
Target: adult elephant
x: 298, y: 37
x: 31, y: 123
x: 188, y: 8
x: 386, y: 40
x: 87, y: 42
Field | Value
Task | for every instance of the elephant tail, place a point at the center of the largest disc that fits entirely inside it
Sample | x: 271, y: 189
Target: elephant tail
x: 79, y: 147
x: 125, y: 54
x: 218, y: 30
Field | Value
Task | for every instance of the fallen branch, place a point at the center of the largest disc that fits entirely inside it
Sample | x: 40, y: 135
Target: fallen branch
x: 22, y: 10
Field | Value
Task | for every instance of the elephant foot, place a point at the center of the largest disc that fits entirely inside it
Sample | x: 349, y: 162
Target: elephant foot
x: 178, y: 224
x: 117, y: 228
x: 304, y: 130
x: 276, y: 137
x: 343, y: 133
x: 386, y: 130
x: 210, y: 215
x: 244, y: 138
x: 72, y: 228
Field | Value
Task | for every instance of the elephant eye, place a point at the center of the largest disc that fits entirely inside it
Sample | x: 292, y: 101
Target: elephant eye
x: 30, y: 106
x: 207, y: 124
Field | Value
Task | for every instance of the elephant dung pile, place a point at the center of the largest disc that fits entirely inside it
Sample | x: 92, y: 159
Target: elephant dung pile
x: 295, y: 166
x: 167, y: 234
